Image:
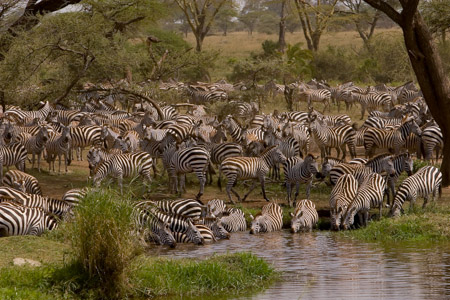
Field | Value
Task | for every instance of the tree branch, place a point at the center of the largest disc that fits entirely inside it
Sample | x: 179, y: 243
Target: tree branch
x: 387, y: 9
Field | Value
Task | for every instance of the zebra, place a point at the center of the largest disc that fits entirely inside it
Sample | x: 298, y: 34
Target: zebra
x: 402, y: 163
x: 74, y: 196
x: 333, y: 137
x: 250, y: 168
x: 31, y: 184
x: 177, y: 224
x: 124, y: 165
x: 13, y: 154
x: 360, y: 171
x: 270, y: 219
x: 378, y: 122
x: 320, y: 95
x: 153, y: 228
x: 341, y: 196
x: 233, y: 220
x: 201, y: 97
x: 65, y: 117
x: 191, y: 159
x: 358, y: 160
x: 96, y: 155
x: 215, y: 225
x: 36, y: 144
x: 48, y: 205
x: 300, y: 133
x: 370, y: 194
x: 216, y: 207
x: 432, y: 139
x: 58, y: 145
x: 330, y: 120
x: 22, y: 116
x: 424, y: 182
x: 187, y: 208
x: 305, y: 216
x: 389, y: 139
x: 205, y: 232
x: 83, y: 136
x: 372, y: 101
x: 302, y: 172
x: 240, y: 135
x: 20, y: 220
x: 219, y: 152
x: 299, y: 117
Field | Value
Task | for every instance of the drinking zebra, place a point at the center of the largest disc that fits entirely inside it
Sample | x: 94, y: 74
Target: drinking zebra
x: 270, y: 219
x: 424, y: 182
x: 233, y: 220
x: 153, y: 228
x: 187, y: 208
x: 255, y: 168
x: 370, y: 194
x: 341, y: 196
x: 305, y: 216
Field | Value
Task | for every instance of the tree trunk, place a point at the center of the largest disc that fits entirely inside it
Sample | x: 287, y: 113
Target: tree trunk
x: 199, y: 42
x: 282, y: 33
x: 435, y: 86
x: 316, y: 40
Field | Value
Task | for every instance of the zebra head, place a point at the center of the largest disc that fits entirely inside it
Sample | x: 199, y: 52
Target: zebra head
x: 194, y: 234
x: 396, y: 210
x: 65, y: 135
x: 326, y: 167
x: 277, y: 156
x: 297, y: 221
x: 121, y: 144
x: 94, y: 157
x: 43, y: 133
x: 407, y: 163
x: 165, y: 235
x: 257, y: 224
x: 388, y: 166
x: 19, y: 185
x: 219, y: 231
x: 312, y: 165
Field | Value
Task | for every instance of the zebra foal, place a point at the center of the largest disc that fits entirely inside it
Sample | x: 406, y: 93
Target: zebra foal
x: 305, y: 216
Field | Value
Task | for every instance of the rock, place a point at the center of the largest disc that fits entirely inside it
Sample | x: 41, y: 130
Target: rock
x: 18, y: 261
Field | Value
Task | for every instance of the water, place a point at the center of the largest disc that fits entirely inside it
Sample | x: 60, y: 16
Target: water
x: 322, y: 265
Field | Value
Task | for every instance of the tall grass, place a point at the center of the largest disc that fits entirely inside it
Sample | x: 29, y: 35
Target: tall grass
x: 230, y: 273
x: 102, y: 240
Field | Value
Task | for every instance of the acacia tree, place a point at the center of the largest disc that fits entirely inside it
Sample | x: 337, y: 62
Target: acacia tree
x: 200, y: 15
x: 364, y: 18
x: 427, y: 65
x: 314, y: 17
x: 437, y: 15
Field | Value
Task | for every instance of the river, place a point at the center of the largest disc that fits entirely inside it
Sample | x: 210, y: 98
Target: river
x: 323, y: 265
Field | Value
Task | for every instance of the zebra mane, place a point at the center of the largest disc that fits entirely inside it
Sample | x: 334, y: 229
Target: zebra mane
x: 333, y: 158
x: 378, y: 157
x: 267, y: 150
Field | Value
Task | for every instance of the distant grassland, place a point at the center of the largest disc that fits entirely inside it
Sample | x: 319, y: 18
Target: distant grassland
x: 238, y: 45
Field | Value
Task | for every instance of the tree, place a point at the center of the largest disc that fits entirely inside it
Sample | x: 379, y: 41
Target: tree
x: 200, y: 15
x: 364, y: 18
x: 225, y: 17
x: 437, y: 15
x: 314, y: 17
x: 427, y: 65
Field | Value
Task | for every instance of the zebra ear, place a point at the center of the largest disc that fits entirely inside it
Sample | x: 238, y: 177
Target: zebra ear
x: 251, y: 217
x: 291, y: 214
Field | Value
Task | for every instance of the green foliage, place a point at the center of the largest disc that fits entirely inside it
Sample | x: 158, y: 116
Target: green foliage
x: 437, y: 15
x: 270, y: 48
x: 230, y: 273
x: 299, y: 60
x: 334, y: 64
x: 102, y: 240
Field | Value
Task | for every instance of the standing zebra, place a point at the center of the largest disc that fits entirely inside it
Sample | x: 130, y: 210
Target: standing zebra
x: 36, y: 144
x: 180, y: 162
x: 389, y: 139
x: 372, y: 100
x: 321, y: 95
x: 83, y: 136
x: 202, y: 97
x: 270, y: 219
x: 31, y: 183
x: 333, y: 137
x: 301, y: 172
x: 22, y: 116
x: 124, y: 165
x: 13, y: 154
x: 305, y: 216
x: 424, y: 182
x: 370, y: 194
x: 16, y: 219
x: 255, y: 168
x: 59, y: 145
x: 341, y: 196
x: 219, y: 152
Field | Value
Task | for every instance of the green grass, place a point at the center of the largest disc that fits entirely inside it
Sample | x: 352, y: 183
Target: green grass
x: 429, y: 225
x: 231, y: 273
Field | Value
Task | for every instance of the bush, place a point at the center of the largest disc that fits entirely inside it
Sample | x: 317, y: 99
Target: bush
x: 102, y: 240
x: 334, y: 64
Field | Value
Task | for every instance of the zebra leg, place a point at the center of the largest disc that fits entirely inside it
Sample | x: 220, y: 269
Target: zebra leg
x: 289, y: 191
x: 344, y: 151
x: 380, y: 209
x: 202, y: 180
x: 32, y: 159
x: 229, y: 189
x: 251, y: 190
x: 425, y: 201
x: 263, y: 188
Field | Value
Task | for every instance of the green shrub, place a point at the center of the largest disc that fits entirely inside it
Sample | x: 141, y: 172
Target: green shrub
x: 102, y: 240
x: 335, y: 64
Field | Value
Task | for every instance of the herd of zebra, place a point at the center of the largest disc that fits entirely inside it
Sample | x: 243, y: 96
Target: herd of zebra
x: 248, y: 145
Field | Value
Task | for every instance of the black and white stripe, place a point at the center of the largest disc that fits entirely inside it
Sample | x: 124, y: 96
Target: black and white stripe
x: 270, y: 219
x: 58, y: 145
x: 305, y: 216
x: 31, y: 184
x: 341, y: 196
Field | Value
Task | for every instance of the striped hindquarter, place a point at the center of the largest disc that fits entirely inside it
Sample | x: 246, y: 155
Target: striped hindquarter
x: 31, y: 184
x: 234, y: 220
x: 370, y: 195
x: 270, y: 219
x: 424, y: 182
x: 305, y: 216
x: 341, y: 196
